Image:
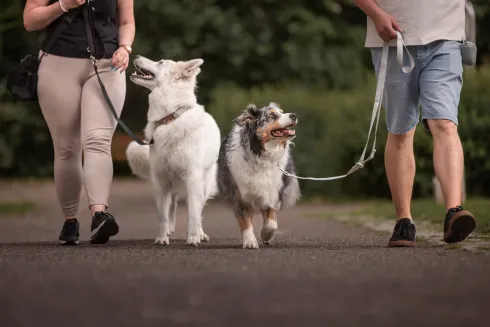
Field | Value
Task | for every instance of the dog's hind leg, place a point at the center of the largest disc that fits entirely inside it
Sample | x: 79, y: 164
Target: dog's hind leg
x: 204, y: 236
x: 173, y: 214
x: 163, y: 199
x: 210, y: 189
x: 195, y: 204
x: 269, y: 227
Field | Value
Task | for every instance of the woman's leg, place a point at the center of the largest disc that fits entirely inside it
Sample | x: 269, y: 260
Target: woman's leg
x: 98, y: 125
x: 60, y: 91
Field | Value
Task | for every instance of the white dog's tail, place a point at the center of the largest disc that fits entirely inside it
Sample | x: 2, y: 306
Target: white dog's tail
x: 139, y: 159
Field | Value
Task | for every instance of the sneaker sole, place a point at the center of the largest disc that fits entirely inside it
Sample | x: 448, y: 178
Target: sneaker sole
x: 401, y: 243
x: 460, y: 226
x: 68, y: 242
x: 104, y: 231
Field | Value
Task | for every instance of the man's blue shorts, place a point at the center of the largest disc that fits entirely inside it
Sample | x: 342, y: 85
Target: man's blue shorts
x: 434, y: 84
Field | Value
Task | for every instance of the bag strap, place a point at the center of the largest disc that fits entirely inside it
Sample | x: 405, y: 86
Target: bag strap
x: 66, y: 20
x: 91, y: 50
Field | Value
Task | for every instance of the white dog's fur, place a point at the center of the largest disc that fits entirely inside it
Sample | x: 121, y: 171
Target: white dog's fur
x: 182, y: 162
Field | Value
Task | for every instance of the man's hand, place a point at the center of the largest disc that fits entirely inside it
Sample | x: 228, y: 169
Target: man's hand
x: 386, y: 25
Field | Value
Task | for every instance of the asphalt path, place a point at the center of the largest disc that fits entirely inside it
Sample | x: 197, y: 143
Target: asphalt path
x: 318, y: 272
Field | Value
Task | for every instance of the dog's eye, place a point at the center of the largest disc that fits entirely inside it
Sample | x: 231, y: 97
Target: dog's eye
x: 273, y: 116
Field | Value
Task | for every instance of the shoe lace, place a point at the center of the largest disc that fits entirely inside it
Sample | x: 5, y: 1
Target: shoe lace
x: 454, y: 210
x: 403, y: 229
x: 102, y: 215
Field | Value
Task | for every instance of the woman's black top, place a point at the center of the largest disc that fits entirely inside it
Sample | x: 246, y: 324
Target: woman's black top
x: 73, y: 40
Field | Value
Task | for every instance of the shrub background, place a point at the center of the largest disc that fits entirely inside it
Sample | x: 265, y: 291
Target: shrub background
x: 307, y: 55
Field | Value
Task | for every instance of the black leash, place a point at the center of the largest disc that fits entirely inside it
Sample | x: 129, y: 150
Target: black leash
x: 92, y: 50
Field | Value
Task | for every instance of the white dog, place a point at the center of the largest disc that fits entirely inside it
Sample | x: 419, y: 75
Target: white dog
x: 182, y: 161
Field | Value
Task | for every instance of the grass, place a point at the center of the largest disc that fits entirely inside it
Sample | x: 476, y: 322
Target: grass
x: 428, y: 210
x: 15, y: 207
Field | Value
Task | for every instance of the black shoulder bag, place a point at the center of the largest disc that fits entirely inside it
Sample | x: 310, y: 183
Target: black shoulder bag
x: 96, y: 52
x: 22, y: 80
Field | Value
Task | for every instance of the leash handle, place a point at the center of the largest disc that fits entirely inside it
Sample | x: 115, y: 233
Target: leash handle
x: 376, y: 109
x: 92, y: 50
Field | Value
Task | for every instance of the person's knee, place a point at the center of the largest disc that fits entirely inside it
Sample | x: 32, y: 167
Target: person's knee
x: 67, y: 150
x: 98, y: 141
x: 442, y: 127
x: 401, y: 140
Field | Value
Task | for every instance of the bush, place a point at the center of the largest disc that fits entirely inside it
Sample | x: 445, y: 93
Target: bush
x: 25, y: 145
x: 333, y: 127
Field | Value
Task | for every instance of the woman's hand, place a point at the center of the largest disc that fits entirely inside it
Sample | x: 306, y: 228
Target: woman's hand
x: 71, y: 4
x: 120, y: 59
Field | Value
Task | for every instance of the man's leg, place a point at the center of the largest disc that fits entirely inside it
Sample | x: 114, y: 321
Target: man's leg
x: 400, y: 170
x: 448, y: 160
x: 440, y: 86
x: 401, y: 102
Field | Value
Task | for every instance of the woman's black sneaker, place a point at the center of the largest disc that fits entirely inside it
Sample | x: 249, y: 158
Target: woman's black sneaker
x: 70, y: 232
x: 459, y: 223
x: 403, y: 233
x: 103, y: 226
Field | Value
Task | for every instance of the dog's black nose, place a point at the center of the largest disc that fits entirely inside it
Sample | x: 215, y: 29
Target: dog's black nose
x: 293, y: 116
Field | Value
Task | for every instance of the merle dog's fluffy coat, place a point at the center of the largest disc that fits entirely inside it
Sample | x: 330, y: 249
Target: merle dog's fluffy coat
x: 249, y: 179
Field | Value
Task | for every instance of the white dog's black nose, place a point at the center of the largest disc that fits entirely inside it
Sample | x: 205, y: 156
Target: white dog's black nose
x: 293, y: 117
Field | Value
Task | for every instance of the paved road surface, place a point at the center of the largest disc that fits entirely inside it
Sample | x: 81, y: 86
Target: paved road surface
x: 319, y: 273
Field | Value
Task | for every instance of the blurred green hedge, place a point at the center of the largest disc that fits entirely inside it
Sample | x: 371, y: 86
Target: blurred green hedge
x: 333, y: 127
x: 331, y: 135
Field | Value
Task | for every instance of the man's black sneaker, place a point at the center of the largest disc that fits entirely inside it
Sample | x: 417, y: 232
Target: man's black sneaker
x: 459, y: 223
x: 403, y: 233
x: 103, y: 226
x: 70, y: 232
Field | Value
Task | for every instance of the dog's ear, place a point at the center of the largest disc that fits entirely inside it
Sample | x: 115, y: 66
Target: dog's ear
x: 191, y: 67
x: 250, y: 114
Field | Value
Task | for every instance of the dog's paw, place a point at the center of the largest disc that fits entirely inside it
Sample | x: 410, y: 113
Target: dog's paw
x: 204, y: 237
x: 267, y: 235
x: 194, y: 240
x: 249, y: 239
x: 162, y: 240
x: 251, y: 244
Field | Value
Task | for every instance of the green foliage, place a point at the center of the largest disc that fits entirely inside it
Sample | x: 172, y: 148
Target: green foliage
x: 25, y: 144
x: 333, y: 127
x: 15, y: 208
x: 482, y: 12
x: 426, y: 210
x: 311, y: 51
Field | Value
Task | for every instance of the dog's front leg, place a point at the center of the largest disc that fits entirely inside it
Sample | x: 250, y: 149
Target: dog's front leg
x: 248, y: 237
x: 163, y: 199
x: 270, y: 225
